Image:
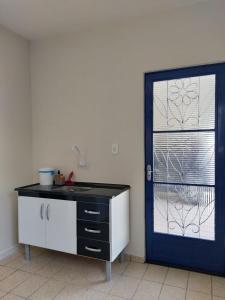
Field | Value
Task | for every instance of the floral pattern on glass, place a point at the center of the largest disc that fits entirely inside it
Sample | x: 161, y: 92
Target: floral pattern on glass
x: 187, y: 211
x: 185, y: 104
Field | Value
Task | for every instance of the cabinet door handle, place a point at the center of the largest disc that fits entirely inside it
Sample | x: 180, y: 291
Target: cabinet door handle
x: 93, y: 249
x: 92, y: 230
x: 47, y: 212
x: 41, y: 211
x: 91, y: 212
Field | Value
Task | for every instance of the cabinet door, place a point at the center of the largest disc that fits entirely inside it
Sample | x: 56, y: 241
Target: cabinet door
x: 61, y: 233
x: 31, y: 221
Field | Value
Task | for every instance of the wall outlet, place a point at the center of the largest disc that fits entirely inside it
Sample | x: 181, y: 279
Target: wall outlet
x: 115, y: 149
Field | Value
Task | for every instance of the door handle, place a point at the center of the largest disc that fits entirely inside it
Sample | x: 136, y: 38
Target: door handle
x: 92, y: 230
x: 149, y: 172
x: 41, y: 211
x: 47, y: 212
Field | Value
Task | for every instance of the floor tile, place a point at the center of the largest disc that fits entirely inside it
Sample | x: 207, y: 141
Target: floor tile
x: 118, y: 268
x: 148, y: 290
x: 13, y: 280
x: 95, y: 273
x: 61, y: 276
x: 192, y: 295
x: 48, y: 291
x: 8, y: 259
x: 218, y: 286
x: 2, y: 294
x: 105, y: 286
x: 95, y: 295
x: 200, y: 282
x: 35, y: 264
x: 29, y: 286
x: 71, y: 274
x: 110, y: 297
x: 125, y: 287
x: 156, y: 273
x: 5, y: 272
x: 16, y: 263
x: 68, y: 259
x: 72, y: 292
x: 49, y: 269
x: 135, y: 270
x: 80, y: 293
x: 177, y: 277
x: 11, y: 297
x: 172, y: 293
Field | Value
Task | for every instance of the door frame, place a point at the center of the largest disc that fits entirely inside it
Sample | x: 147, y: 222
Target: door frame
x: 149, y: 78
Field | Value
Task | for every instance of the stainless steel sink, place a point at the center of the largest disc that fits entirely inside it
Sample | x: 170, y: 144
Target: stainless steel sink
x: 72, y: 188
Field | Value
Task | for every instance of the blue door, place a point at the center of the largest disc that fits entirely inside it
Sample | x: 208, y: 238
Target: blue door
x: 185, y: 167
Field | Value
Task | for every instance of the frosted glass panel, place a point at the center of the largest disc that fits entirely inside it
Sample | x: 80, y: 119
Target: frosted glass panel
x: 184, y: 104
x: 184, y: 157
x: 187, y: 211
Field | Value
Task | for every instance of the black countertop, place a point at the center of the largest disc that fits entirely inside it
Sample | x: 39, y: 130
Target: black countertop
x: 79, y: 191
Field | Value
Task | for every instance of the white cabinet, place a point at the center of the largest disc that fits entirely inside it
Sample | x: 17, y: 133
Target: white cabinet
x: 92, y: 228
x: 48, y: 223
x: 61, y: 225
x: 31, y: 221
x: 119, y: 219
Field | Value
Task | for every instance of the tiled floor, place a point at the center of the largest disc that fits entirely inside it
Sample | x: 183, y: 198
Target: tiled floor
x: 53, y: 275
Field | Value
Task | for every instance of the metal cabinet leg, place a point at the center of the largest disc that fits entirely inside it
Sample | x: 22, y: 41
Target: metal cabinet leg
x: 108, y: 270
x: 122, y: 257
x: 27, y: 252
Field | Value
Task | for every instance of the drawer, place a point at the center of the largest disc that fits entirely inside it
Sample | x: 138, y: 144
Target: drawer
x: 93, y: 230
x: 93, y: 212
x: 93, y: 248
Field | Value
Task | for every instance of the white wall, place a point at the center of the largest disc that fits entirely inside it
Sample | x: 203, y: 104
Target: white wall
x: 88, y: 89
x: 15, y: 131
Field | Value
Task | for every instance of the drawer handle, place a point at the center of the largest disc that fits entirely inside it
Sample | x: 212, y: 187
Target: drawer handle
x: 92, y: 230
x: 93, y: 249
x: 91, y: 212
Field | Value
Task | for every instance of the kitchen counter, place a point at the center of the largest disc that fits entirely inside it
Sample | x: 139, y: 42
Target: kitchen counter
x: 88, y: 219
x: 85, y: 191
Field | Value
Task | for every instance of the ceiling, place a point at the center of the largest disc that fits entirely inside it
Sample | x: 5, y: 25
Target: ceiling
x: 40, y: 18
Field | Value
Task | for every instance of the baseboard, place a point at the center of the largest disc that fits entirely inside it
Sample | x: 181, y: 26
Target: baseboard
x: 138, y: 259
x: 8, y: 252
x: 134, y: 258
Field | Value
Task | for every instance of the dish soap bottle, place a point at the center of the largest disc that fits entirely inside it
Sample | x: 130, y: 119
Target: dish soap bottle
x: 59, y: 179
